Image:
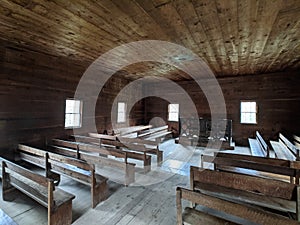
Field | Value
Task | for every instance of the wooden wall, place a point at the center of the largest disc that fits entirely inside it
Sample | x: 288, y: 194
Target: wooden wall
x: 277, y: 96
x: 34, y: 86
x: 33, y: 89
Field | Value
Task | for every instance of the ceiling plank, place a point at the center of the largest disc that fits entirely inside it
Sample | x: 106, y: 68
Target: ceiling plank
x: 190, y: 18
x: 209, y: 19
x: 267, y: 12
x: 227, y: 13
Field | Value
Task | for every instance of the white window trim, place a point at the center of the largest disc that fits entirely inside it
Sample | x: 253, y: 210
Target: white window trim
x: 256, y: 112
x: 80, y: 114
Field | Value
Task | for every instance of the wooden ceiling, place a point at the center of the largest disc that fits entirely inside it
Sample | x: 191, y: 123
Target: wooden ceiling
x: 235, y: 37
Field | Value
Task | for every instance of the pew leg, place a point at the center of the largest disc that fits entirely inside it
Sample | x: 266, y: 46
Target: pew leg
x: 179, y: 206
x: 8, y: 191
x: 129, y: 174
x: 61, y: 215
x: 147, y: 164
x: 99, y: 193
x: 297, y: 178
x: 159, y: 157
x: 298, y: 204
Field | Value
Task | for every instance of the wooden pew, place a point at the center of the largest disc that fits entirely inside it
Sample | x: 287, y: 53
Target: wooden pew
x: 132, y: 130
x: 157, y: 133
x: 263, y: 192
x: 89, y: 157
x: 147, y: 146
x: 113, y: 145
x: 252, y: 165
x: 133, y: 144
x: 216, y: 211
x: 73, y: 168
x: 258, y: 146
x: 39, y: 188
x: 284, y: 149
x: 102, y: 136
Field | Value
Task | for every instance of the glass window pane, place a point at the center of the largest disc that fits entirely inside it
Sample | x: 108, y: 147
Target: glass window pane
x: 245, y: 107
x: 73, y: 106
x: 252, y: 107
x: 76, y: 107
x: 121, y: 107
x: 173, y: 108
x: 173, y: 116
x: 69, y: 106
x: 121, y: 118
x: 72, y: 120
x: 248, y: 117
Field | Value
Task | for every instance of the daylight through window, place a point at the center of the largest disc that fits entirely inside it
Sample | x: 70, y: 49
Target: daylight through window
x: 248, y: 112
x: 73, y: 113
x: 121, y: 117
x: 173, y: 110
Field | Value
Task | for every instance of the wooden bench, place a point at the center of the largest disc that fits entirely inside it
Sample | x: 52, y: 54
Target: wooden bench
x: 216, y: 211
x: 268, y: 193
x: 39, y: 188
x: 114, y: 146
x: 67, y: 149
x: 132, y: 144
x: 100, y: 137
x: 157, y: 133
x: 258, y: 146
x: 252, y: 165
x: 284, y: 149
x: 73, y: 168
x: 140, y: 145
x: 132, y: 131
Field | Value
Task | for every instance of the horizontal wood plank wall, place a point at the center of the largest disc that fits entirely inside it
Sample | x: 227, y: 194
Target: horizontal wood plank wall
x: 277, y: 96
x: 33, y: 89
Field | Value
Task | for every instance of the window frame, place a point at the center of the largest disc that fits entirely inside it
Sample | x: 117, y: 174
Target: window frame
x: 79, y: 113
x: 177, y: 112
x: 250, y: 112
x: 118, y: 112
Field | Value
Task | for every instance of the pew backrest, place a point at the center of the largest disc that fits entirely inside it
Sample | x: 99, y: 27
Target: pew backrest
x: 252, y: 165
x: 221, y: 211
x: 284, y: 149
x: 273, y: 194
x: 258, y: 146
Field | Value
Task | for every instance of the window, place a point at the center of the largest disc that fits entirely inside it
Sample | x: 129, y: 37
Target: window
x: 73, y: 113
x: 248, y: 112
x: 121, y: 117
x: 173, y: 110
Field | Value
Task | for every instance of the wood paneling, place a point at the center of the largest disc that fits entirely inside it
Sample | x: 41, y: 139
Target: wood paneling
x: 234, y: 37
x: 45, y: 46
x: 33, y: 89
x: 277, y: 97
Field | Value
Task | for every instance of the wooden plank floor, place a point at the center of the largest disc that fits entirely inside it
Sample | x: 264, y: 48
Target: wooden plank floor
x: 5, y: 219
x: 150, y: 200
